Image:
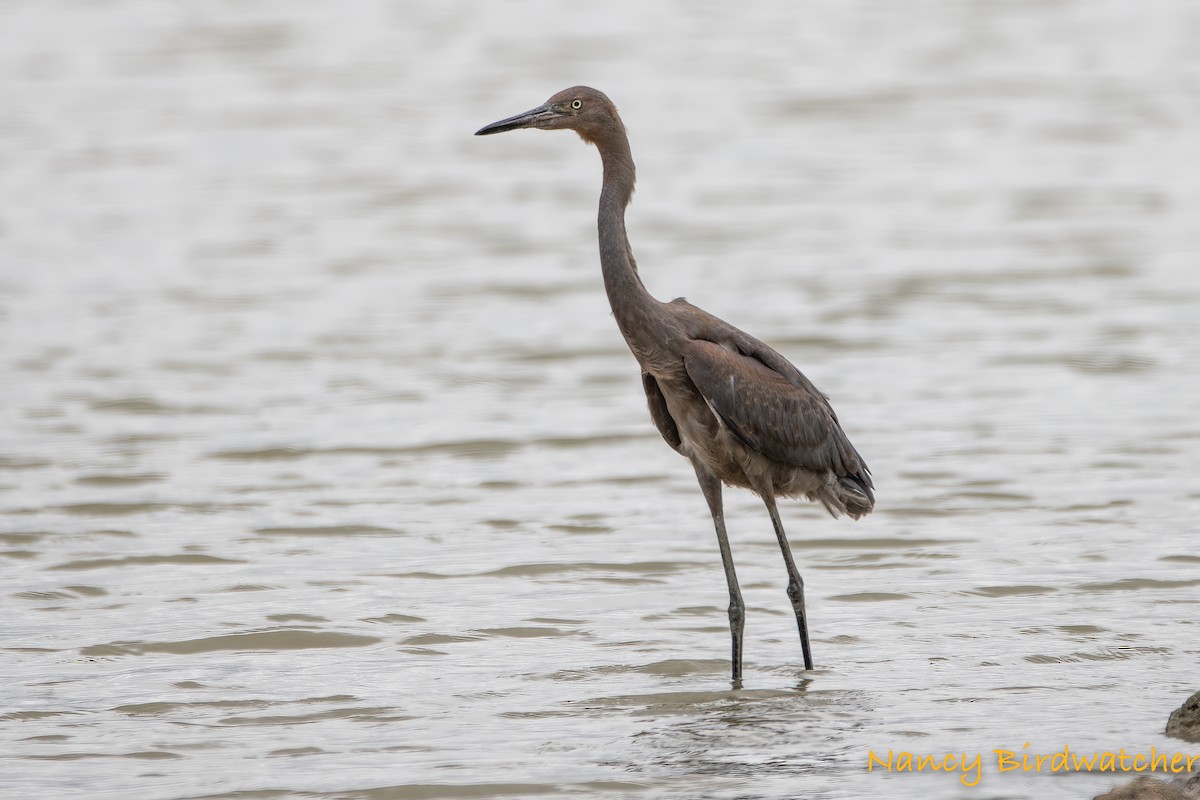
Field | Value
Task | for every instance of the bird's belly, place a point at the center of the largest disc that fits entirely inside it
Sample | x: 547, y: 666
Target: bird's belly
x: 705, y: 440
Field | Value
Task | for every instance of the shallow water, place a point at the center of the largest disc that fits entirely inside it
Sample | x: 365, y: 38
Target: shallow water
x: 324, y: 472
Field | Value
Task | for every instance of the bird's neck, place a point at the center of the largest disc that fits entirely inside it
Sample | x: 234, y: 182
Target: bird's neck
x: 631, y: 303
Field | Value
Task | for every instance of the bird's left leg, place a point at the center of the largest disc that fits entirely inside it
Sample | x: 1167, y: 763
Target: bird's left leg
x: 795, y: 589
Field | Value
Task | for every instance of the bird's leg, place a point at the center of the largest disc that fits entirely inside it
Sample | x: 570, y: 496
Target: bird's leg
x: 711, y: 486
x: 795, y: 589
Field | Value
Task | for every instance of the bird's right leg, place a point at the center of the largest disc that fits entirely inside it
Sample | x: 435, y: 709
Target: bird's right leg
x: 795, y: 589
x: 711, y: 486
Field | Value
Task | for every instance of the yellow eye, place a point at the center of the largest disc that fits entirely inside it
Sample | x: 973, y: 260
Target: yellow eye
x: 576, y: 104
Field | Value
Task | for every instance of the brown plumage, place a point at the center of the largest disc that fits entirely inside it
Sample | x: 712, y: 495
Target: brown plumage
x: 739, y: 411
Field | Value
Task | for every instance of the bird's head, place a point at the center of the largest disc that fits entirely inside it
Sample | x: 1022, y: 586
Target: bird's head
x: 582, y: 109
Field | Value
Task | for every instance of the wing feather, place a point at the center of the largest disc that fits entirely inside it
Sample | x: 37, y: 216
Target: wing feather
x: 659, y: 411
x: 783, y: 417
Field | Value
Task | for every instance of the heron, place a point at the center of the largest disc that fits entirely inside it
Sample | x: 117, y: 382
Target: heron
x: 740, y: 412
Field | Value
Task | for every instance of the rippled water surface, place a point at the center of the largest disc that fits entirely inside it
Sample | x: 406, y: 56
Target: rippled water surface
x: 324, y: 471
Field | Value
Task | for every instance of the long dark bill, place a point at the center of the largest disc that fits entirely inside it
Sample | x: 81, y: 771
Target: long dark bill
x: 529, y: 119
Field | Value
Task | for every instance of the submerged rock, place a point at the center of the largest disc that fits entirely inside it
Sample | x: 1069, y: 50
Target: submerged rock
x: 1149, y: 789
x: 1184, y: 722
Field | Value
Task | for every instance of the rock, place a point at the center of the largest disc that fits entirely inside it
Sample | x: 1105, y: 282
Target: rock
x: 1145, y: 789
x: 1184, y: 722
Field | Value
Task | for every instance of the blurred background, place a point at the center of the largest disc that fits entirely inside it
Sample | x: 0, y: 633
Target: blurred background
x: 325, y: 473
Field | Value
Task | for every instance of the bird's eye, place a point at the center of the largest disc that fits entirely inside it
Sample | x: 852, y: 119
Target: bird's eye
x: 576, y: 104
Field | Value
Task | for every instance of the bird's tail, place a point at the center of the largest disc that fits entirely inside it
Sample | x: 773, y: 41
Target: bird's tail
x: 851, y: 495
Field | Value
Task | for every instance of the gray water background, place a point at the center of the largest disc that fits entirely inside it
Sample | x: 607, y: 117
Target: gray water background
x: 324, y: 471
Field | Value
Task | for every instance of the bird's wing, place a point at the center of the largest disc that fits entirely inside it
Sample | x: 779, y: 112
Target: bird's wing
x: 769, y: 413
x: 659, y: 411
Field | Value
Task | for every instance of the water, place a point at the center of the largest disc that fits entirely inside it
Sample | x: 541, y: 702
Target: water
x: 325, y: 472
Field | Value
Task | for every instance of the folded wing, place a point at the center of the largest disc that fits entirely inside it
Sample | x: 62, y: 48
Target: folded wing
x: 775, y: 411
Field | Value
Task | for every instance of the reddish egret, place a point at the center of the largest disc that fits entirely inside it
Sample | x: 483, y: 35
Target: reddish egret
x: 739, y: 411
